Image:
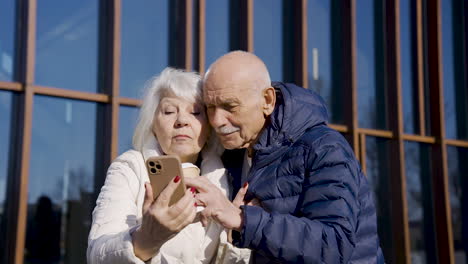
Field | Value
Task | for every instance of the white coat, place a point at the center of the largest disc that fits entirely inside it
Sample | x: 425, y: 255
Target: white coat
x: 118, y: 213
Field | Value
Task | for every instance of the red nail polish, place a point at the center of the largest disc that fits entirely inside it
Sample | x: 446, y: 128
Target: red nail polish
x: 195, y: 204
x: 245, y: 184
x: 192, y: 189
x: 177, y: 178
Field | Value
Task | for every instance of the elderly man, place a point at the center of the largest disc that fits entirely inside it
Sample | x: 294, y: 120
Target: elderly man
x: 304, y: 198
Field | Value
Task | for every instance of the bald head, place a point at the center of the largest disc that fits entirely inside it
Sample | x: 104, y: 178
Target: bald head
x: 238, y: 95
x: 238, y: 68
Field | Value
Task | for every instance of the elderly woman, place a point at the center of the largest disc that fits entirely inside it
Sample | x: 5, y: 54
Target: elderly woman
x: 129, y: 224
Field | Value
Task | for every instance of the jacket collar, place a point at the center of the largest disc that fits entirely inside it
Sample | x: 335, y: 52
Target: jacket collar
x: 297, y: 109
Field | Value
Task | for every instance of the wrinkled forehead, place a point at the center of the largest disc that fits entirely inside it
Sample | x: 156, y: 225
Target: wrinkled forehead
x: 227, y: 94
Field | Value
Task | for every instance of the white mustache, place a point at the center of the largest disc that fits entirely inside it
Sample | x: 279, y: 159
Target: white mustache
x: 227, y: 130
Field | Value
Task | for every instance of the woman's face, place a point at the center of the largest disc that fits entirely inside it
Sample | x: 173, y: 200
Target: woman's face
x: 181, y: 127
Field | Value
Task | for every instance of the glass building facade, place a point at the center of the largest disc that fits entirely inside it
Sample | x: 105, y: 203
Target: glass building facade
x: 393, y: 74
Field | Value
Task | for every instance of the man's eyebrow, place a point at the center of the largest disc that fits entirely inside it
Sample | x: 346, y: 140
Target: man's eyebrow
x: 231, y: 101
x: 226, y: 102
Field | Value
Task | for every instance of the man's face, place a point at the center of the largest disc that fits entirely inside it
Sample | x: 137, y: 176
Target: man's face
x: 235, y: 114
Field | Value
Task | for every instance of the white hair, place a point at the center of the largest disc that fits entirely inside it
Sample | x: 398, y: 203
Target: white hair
x: 170, y: 82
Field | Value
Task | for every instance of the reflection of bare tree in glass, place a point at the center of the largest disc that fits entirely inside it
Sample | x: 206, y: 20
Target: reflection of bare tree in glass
x: 455, y: 189
x: 379, y: 179
x: 463, y: 181
x: 79, y: 221
x: 458, y: 186
x: 76, y: 209
x: 419, y: 200
x: 418, y: 183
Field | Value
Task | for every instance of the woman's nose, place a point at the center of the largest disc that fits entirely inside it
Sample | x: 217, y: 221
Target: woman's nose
x: 182, y: 120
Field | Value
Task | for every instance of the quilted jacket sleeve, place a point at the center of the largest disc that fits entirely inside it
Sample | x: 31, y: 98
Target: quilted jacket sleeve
x: 324, y: 232
x: 115, y: 215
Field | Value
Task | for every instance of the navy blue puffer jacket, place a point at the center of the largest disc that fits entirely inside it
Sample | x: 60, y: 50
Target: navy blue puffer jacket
x: 316, y: 203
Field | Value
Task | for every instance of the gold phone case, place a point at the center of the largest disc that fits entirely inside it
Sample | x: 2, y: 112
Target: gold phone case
x: 162, y: 170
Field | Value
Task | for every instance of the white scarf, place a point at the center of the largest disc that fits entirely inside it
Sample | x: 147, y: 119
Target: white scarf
x: 198, y: 244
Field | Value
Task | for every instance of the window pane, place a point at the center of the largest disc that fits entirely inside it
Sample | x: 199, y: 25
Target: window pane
x: 67, y: 44
x: 128, y: 117
x: 419, y: 200
x: 408, y: 66
x: 377, y: 157
x: 458, y: 189
x: 6, y: 99
x: 272, y: 37
x: 321, y: 56
x: 217, y: 31
x: 61, y: 180
x: 145, y: 43
x: 455, y: 92
x: 7, y: 40
x: 370, y: 85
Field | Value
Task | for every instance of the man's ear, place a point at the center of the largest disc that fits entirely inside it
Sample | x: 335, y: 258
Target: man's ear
x: 269, y: 95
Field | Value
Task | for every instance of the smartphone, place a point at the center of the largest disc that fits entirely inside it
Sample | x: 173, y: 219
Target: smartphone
x: 162, y: 170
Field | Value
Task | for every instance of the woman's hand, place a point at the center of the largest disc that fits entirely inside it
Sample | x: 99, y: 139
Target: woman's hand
x: 217, y: 206
x: 160, y: 221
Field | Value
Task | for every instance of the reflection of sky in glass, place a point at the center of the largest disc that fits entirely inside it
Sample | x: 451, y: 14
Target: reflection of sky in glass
x: 62, y: 162
x: 7, y: 39
x: 268, y: 35
x: 458, y: 188
x: 407, y: 57
x: 319, y: 50
x: 62, y: 150
x: 415, y: 172
x: 5, y: 119
x: 145, y: 43
x: 366, y: 65
x: 67, y: 44
x: 127, y: 121
x: 217, y: 29
x: 448, y: 69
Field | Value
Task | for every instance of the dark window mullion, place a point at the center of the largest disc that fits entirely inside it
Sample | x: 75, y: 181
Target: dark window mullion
x: 109, y: 82
x: 21, y: 142
x: 434, y: 75
x: 393, y: 89
x: 348, y: 72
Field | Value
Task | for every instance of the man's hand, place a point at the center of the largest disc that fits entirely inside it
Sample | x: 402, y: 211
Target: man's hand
x: 217, y: 206
x: 240, y: 197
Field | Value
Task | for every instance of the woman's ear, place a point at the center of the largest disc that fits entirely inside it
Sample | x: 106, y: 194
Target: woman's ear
x: 269, y: 96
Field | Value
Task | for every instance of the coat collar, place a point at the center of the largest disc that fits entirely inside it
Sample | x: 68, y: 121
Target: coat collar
x: 297, y: 109
x: 151, y: 148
